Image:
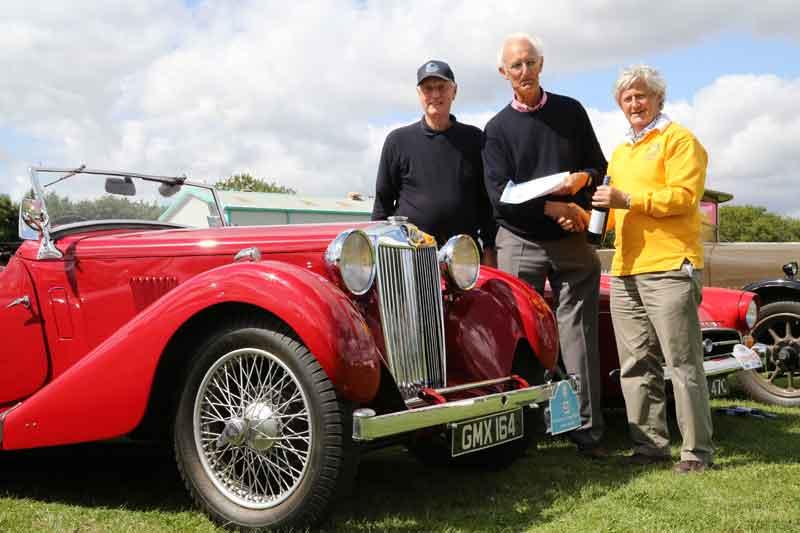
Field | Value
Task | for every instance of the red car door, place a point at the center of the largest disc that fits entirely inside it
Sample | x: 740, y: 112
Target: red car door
x: 23, y: 356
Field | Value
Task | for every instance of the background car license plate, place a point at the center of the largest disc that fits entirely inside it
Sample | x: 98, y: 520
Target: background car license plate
x: 485, y: 432
x: 718, y: 386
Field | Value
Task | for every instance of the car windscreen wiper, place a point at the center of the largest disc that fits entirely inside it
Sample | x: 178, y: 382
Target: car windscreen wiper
x: 67, y: 175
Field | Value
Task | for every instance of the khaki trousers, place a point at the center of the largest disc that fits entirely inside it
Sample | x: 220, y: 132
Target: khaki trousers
x: 655, y: 318
x: 573, y: 269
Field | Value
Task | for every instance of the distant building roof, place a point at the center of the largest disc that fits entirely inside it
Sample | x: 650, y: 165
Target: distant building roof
x: 266, y: 201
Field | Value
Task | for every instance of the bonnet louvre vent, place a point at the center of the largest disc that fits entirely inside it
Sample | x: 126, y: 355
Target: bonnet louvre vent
x: 148, y: 289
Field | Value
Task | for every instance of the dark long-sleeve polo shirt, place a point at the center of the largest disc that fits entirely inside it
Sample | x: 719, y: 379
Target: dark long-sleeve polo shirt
x: 435, y: 178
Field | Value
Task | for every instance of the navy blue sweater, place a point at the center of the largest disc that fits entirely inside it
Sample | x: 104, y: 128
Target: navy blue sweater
x: 435, y: 178
x: 523, y: 146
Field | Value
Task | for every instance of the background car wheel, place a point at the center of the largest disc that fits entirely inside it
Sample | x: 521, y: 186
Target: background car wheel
x: 259, y: 436
x: 777, y: 382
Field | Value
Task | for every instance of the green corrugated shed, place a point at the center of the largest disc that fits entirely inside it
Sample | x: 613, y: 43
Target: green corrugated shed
x: 262, y: 208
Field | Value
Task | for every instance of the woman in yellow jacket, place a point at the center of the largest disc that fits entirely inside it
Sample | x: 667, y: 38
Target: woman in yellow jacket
x: 657, y: 180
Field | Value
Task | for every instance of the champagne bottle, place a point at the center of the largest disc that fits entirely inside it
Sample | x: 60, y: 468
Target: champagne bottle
x: 598, y: 221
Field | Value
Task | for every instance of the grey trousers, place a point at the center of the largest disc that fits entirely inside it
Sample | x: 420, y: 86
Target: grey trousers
x: 655, y: 318
x: 573, y: 270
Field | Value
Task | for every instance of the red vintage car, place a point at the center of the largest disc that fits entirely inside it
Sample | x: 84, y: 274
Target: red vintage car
x: 270, y: 357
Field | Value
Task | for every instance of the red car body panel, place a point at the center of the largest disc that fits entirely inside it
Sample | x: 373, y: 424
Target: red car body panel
x: 23, y: 358
x: 723, y: 308
x: 113, y: 381
x: 485, y: 325
x: 111, y: 306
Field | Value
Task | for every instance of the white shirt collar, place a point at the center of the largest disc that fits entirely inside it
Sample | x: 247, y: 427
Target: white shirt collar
x: 659, y: 123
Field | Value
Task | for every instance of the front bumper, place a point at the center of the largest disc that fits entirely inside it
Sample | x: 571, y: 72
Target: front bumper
x: 716, y: 367
x: 724, y: 365
x: 367, y: 425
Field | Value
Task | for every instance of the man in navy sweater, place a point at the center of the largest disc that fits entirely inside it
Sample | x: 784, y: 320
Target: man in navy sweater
x: 431, y: 171
x: 536, y: 135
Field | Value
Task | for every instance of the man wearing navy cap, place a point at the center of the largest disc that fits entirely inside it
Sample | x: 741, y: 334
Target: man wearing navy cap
x: 431, y: 171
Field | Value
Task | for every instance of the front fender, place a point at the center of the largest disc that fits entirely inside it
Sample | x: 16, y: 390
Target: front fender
x: 105, y: 394
x: 485, y: 325
x: 781, y: 284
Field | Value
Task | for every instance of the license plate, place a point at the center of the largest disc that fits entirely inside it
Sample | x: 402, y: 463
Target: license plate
x: 718, y: 386
x: 481, y: 433
x: 563, y: 412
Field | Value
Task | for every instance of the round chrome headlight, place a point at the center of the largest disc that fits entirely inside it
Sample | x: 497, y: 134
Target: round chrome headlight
x: 460, y: 261
x: 751, y: 315
x: 351, y: 258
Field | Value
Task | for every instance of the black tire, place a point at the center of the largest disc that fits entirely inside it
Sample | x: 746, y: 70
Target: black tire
x: 259, y: 434
x: 779, y: 327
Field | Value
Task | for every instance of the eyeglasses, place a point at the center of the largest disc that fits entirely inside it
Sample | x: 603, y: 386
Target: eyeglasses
x: 530, y: 64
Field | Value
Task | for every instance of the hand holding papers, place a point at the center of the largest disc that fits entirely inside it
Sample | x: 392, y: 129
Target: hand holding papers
x: 535, y: 188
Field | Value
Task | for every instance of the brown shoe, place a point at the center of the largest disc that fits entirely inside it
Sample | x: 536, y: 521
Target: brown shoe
x: 642, y: 459
x: 597, y: 453
x: 689, y: 467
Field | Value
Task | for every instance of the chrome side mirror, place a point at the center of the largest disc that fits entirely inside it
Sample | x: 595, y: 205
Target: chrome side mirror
x: 31, y: 217
x: 34, y: 224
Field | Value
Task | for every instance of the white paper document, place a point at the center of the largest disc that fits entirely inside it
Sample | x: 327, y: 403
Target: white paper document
x: 517, y: 193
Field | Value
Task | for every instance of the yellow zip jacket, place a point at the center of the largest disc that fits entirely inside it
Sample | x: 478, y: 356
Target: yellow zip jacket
x: 665, y: 174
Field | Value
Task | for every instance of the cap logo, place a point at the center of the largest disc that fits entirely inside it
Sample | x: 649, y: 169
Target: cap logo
x: 431, y: 67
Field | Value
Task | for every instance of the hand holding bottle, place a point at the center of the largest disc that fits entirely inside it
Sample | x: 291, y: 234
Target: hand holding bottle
x: 599, y: 218
x: 607, y: 196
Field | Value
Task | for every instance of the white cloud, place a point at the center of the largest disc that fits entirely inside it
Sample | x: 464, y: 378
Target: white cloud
x: 750, y: 126
x: 304, y: 93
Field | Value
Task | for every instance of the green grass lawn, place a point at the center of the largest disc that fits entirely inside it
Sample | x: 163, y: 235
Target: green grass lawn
x: 756, y: 487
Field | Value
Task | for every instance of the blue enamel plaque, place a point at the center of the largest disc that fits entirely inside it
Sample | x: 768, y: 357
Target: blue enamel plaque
x: 564, y: 411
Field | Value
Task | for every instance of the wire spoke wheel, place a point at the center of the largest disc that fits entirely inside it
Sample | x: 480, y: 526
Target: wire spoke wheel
x: 253, y: 428
x: 259, y: 429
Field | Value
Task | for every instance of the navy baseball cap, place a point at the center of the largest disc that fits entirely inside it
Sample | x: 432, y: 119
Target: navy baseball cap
x: 437, y: 69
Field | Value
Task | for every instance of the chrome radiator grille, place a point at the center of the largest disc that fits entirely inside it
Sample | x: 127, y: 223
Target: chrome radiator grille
x: 410, y: 297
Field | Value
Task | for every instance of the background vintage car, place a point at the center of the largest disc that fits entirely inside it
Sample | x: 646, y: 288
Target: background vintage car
x: 726, y: 317
x: 269, y: 356
x: 756, y: 267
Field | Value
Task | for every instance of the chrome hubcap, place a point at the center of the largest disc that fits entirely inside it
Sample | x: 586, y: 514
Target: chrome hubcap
x: 260, y: 428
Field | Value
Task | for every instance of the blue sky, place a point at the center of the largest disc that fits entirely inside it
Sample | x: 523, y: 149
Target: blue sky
x: 305, y: 93
x: 691, y: 68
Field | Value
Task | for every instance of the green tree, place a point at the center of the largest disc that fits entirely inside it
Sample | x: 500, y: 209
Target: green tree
x: 747, y: 223
x: 63, y: 210
x: 247, y: 183
x: 9, y: 211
